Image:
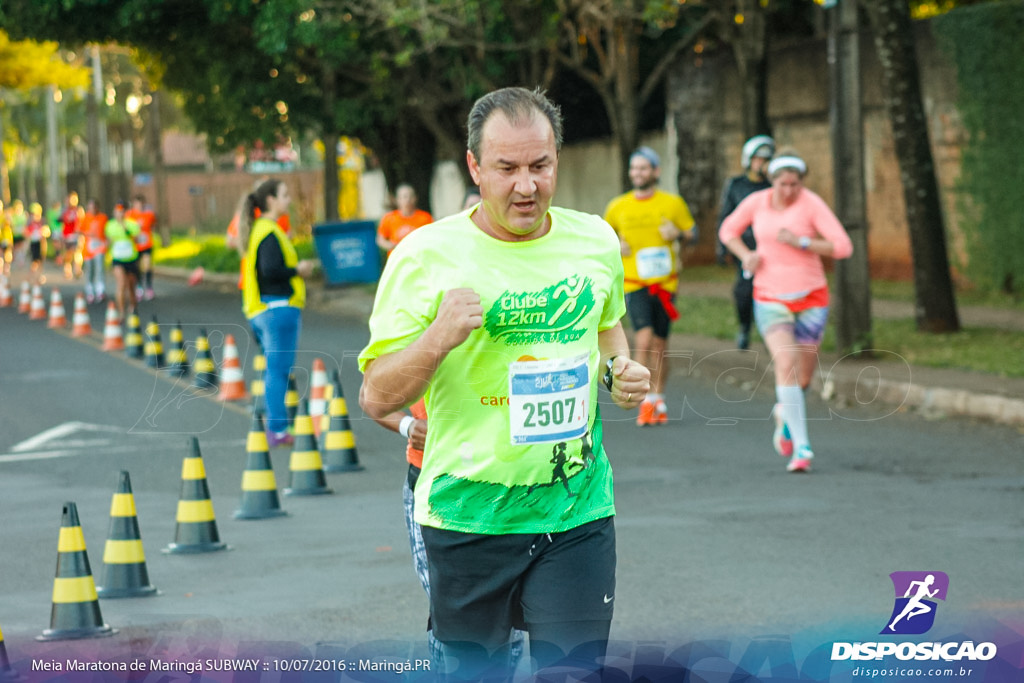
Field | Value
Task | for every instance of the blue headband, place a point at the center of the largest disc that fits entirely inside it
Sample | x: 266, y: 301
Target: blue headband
x: 647, y: 153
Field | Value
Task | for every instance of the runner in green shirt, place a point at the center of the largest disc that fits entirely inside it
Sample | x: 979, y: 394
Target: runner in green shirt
x: 506, y: 319
x: 120, y: 233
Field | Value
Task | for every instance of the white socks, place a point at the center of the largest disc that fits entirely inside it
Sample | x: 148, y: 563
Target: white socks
x: 793, y: 409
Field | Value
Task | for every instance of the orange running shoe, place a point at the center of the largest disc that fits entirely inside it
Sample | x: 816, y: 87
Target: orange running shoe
x: 646, y: 416
x: 660, y: 416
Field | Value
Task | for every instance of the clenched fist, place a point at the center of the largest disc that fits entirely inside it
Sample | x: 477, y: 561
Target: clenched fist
x: 458, y: 315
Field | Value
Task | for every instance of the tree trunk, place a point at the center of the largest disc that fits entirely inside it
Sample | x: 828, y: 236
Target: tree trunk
x: 626, y: 120
x: 156, y: 141
x: 5, y: 177
x: 935, y: 309
x: 330, y: 137
x: 94, y: 179
x: 53, y: 191
x: 749, y: 48
x: 853, y: 276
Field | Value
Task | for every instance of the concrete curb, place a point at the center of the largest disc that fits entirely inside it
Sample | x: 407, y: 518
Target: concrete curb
x: 937, y: 402
x: 843, y: 382
x: 934, y: 394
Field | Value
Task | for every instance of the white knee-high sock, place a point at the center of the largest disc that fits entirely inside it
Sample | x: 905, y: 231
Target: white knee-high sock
x: 794, y: 413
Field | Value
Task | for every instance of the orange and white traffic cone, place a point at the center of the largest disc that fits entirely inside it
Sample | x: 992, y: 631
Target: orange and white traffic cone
x: 58, y: 318
x: 6, y: 298
x: 232, y: 382
x: 38, y: 309
x: 112, y: 337
x: 25, y: 299
x: 81, y: 326
x: 317, y: 398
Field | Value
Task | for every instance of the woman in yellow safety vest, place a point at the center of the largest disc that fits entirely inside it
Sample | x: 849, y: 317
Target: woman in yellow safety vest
x: 273, y: 295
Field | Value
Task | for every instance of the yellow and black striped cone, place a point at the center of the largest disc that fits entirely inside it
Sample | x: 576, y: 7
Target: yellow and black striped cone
x: 124, y: 562
x: 305, y: 466
x: 154, y: 350
x: 177, y: 359
x: 259, y: 487
x: 76, y: 607
x: 258, y: 387
x: 197, y: 528
x: 206, y: 369
x: 133, y: 347
x: 339, y: 443
x: 7, y: 673
x: 291, y: 401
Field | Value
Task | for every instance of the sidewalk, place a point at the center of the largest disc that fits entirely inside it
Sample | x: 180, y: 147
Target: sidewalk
x: 934, y: 392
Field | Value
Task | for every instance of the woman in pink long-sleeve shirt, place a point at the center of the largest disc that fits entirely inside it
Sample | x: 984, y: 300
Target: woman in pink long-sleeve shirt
x: 794, y: 228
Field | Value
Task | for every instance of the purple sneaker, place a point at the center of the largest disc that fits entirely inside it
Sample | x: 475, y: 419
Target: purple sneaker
x: 277, y: 439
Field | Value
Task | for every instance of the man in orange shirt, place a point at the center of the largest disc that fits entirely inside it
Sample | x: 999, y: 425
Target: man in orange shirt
x: 146, y: 219
x: 94, y: 251
x: 398, y: 223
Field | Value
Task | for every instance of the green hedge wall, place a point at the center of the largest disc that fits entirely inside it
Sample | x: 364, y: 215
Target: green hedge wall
x: 984, y: 43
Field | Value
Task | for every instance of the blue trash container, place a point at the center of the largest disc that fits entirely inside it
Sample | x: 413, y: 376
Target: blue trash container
x: 348, y: 251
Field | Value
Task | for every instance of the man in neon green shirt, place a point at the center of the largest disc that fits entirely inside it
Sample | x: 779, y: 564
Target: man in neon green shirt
x: 505, y: 318
x: 649, y: 222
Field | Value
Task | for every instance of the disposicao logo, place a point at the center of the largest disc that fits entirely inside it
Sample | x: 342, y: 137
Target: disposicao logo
x: 913, y: 613
x: 916, y: 593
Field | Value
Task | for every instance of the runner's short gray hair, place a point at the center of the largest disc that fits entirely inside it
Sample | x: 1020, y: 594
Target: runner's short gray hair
x: 518, y: 105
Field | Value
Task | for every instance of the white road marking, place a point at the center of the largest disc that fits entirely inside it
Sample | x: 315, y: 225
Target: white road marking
x: 107, y: 449
x: 62, y: 430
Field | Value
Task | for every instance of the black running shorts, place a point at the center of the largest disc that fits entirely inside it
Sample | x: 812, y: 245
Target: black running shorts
x: 483, y: 585
x: 646, y: 310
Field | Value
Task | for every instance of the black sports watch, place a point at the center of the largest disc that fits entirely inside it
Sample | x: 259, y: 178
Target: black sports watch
x: 608, y: 364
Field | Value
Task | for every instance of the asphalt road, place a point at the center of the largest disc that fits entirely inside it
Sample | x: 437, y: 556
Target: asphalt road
x: 715, y: 540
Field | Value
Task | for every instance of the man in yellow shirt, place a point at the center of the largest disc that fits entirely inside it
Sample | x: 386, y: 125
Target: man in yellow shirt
x: 649, y: 223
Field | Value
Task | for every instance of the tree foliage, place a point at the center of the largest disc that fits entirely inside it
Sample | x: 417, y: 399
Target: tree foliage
x: 622, y: 49
x: 26, y: 64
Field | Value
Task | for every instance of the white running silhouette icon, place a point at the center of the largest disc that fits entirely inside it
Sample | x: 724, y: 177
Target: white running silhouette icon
x: 914, y: 606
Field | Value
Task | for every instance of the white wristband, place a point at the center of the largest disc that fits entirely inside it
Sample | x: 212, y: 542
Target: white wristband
x: 405, y: 425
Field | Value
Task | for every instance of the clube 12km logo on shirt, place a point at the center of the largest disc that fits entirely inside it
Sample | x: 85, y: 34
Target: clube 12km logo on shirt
x: 914, y: 611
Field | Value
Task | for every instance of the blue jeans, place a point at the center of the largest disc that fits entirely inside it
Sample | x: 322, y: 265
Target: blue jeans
x: 277, y: 333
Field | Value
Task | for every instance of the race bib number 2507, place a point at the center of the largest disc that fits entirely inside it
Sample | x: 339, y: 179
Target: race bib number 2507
x: 548, y: 399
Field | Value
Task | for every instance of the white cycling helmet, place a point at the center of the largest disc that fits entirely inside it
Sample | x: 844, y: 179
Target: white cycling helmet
x: 753, y: 147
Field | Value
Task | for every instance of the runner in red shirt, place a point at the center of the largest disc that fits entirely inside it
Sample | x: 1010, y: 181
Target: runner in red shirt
x: 146, y: 219
x: 71, y: 220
